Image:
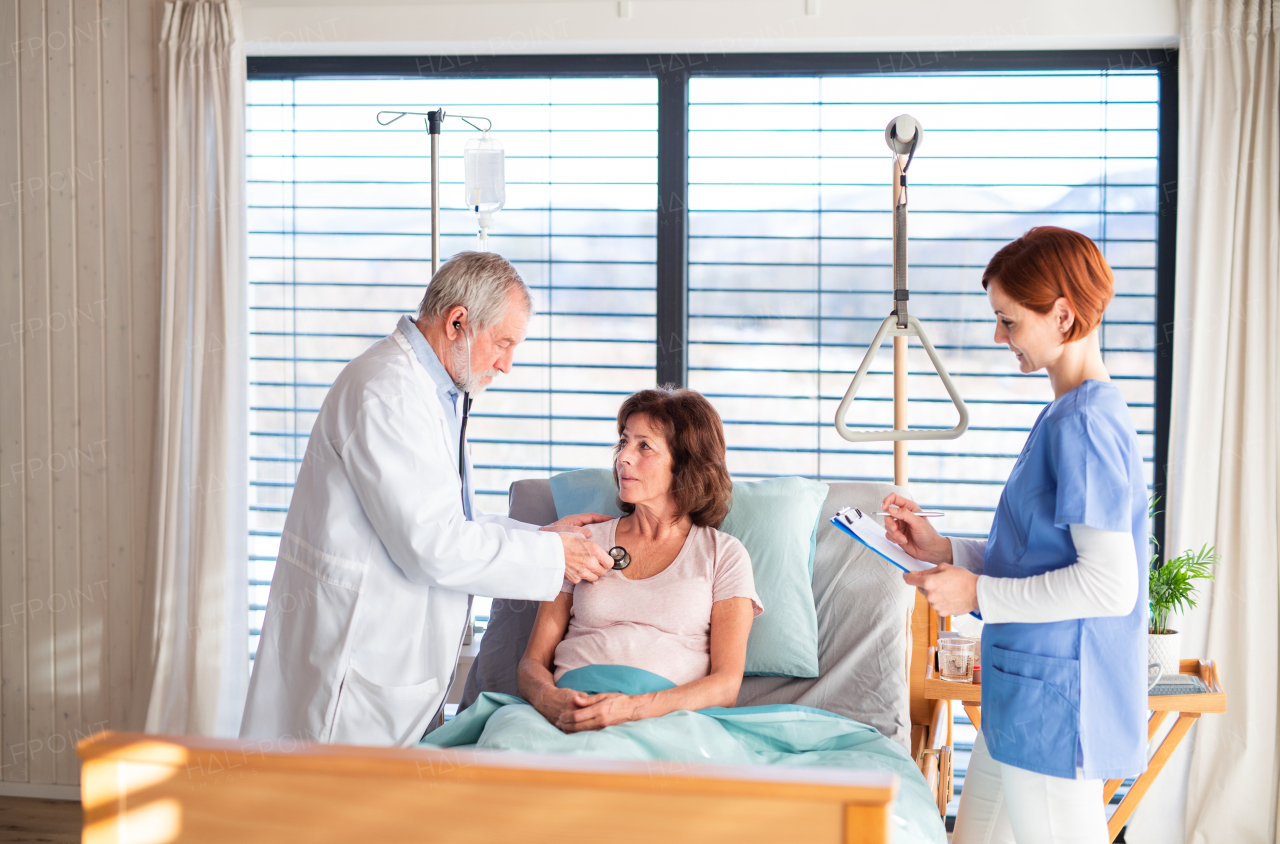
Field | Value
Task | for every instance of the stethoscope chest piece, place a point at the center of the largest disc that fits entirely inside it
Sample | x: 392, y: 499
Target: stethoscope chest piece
x: 621, y: 559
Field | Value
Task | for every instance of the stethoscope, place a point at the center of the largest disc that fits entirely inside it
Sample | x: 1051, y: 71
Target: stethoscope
x: 621, y: 559
x: 466, y: 412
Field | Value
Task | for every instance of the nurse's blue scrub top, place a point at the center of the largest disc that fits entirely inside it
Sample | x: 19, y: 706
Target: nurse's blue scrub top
x: 1069, y: 693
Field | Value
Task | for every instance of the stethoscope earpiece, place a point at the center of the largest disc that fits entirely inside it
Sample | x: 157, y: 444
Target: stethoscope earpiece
x: 466, y: 337
x: 621, y: 559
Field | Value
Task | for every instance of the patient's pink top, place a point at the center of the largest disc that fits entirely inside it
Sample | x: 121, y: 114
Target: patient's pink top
x: 661, y: 623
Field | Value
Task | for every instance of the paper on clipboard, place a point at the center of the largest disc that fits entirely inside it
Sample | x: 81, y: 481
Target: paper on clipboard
x: 870, y: 533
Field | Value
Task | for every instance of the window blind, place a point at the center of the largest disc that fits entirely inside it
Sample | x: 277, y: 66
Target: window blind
x: 339, y: 244
x: 788, y: 257
x: 790, y: 270
x: 790, y: 265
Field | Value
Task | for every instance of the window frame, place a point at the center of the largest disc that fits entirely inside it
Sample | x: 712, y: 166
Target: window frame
x: 673, y: 71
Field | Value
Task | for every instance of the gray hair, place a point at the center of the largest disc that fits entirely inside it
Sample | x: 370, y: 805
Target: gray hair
x: 481, y: 282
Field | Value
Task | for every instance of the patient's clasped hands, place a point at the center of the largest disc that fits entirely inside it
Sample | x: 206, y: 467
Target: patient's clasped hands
x: 949, y: 589
x: 573, y: 711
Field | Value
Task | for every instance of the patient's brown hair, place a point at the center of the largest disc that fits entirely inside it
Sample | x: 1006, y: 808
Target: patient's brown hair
x: 1048, y: 262
x: 693, y: 431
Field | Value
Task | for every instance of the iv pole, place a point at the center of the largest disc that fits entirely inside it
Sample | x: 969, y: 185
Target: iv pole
x: 434, y: 121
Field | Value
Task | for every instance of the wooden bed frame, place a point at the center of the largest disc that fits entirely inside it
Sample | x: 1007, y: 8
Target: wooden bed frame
x: 139, y: 788
x: 143, y: 788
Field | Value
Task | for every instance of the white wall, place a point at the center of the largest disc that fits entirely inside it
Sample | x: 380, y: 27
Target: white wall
x: 79, y: 298
x: 466, y: 28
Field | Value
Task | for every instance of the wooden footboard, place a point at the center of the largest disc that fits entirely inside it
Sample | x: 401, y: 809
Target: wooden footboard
x: 141, y: 788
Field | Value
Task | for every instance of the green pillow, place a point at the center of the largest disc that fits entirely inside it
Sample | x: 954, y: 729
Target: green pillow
x: 585, y: 491
x: 777, y: 520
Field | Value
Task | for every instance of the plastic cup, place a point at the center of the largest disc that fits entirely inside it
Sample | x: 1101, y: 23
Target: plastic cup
x: 955, y: 659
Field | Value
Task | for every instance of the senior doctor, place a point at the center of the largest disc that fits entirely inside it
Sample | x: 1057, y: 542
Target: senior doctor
x: 383, y: 548
x: 1061, y: 581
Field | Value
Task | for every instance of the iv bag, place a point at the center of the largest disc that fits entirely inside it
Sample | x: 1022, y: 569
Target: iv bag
x: 486, y: 182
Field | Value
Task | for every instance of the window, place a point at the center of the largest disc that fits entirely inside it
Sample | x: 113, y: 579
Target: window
x: 771, y: 294
x: 790, y: 265
x: 339, y: 244
x: 790, y: 271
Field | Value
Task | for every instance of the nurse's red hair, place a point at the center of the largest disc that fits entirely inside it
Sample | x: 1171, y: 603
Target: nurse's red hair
x: 1049, y: 262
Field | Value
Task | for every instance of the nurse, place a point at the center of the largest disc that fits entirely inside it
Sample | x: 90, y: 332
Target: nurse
x: 1059, y: 582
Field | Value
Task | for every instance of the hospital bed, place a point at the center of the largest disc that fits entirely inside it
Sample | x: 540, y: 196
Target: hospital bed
x: 874, y: 636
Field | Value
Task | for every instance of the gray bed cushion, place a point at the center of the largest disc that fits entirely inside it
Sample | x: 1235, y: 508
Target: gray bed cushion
x: 862, y: 608
x: 510, y: 622
x: 862, y: 629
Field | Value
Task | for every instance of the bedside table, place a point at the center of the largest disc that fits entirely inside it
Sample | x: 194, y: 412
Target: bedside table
x: 1188, y: 708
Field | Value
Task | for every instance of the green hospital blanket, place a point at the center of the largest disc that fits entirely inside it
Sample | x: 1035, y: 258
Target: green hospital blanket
x: 791, y: 736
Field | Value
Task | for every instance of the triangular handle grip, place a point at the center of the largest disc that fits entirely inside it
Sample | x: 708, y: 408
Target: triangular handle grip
x: 913, y: 329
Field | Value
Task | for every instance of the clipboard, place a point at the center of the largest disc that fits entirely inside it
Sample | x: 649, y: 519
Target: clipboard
x: 870, y: 533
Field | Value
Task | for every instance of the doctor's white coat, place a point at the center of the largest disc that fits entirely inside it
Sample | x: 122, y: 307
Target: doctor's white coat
x: 370, y: 594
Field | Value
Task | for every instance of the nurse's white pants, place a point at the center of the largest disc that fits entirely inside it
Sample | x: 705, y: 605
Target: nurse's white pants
x: 1001, y: 804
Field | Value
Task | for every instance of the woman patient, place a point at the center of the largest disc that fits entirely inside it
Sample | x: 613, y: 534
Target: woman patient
x: 683, y: 607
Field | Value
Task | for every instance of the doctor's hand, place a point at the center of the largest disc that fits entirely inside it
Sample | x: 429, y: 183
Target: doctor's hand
x: 578, y: 521
x: 576, y: 524
x: 583, y: 559
x: 913, y: 533
x: 949, y: 589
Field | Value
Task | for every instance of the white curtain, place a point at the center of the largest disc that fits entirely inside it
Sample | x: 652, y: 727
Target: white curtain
x: 1224, y: 453
x: 193, y: 641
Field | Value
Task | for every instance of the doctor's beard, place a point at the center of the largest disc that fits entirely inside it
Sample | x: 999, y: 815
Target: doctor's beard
x: 471, y: 382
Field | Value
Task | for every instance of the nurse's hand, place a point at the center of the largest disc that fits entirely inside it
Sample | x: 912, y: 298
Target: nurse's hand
x: 912, y: 533
x: 949, y: 589
x: 583, y: 559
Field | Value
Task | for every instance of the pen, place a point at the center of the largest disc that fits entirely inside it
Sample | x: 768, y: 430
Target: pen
x: 924, y: 514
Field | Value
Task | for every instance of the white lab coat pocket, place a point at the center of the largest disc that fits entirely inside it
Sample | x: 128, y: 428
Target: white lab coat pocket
x: 370, y: 714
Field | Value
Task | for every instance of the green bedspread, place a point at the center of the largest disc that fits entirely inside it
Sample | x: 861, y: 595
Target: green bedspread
x: 753, y: 735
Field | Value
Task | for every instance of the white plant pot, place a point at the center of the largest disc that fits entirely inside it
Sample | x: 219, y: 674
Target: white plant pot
x: 1166, y: 649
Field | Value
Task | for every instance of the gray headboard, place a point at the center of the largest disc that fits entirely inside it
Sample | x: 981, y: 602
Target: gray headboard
x: 862, y: 607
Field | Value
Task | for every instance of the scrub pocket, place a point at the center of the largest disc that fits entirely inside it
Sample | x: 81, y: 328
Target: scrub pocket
x: 368, y: 713
x: 1030, y: 716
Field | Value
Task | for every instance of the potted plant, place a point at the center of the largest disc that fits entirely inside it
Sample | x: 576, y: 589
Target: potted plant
x: 1173, y: 589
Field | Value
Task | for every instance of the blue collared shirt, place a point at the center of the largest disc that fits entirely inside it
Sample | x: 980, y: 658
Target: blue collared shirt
x: 446, y: 391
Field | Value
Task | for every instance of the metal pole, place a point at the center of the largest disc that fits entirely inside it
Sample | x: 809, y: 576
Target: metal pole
x: 900, y: 307
x: 434, y: 119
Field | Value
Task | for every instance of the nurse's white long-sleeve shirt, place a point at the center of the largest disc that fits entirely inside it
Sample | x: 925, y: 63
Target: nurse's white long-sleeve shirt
x: 1102, y: 582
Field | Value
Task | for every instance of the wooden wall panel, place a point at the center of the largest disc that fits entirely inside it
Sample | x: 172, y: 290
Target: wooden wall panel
x: 64, y: 418
x: 88, y: 324
x: 12, y: 547
x: 122, y: 546
x: 144, y: 263
x: 38, y: 499
x: 79, y: 303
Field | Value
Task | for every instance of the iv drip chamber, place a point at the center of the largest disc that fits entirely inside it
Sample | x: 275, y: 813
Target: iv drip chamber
x: 484, y: 164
